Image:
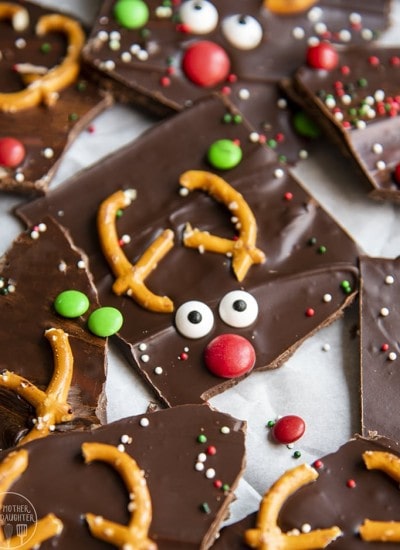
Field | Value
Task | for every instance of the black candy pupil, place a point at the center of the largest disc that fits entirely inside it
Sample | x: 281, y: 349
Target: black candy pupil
x: 242, y: 19
x: 239, y: 305
x: 195, y: 317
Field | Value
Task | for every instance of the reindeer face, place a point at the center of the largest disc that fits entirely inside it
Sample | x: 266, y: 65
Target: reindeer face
x: 284, y: 297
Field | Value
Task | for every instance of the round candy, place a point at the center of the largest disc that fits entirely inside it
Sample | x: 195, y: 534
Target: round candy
x: 71, y: 303
x: 12, y: 152
x: 305, y: 126
x: 322, y: 56
x: 288, y: 429
x: 131, y: 14
x: 242, y: 31
x: 224, y: 154
x: 205, y: 63
x: 105, y: 321
x: 229, y: 356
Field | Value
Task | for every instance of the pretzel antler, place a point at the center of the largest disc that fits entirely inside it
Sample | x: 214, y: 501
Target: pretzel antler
x: 130, y: 278
x: 268, y: 536
x: 243, y: 249
x: 43, y: 87
x: 135, y: 534
x: 51, y: 405
x: 11, y: 468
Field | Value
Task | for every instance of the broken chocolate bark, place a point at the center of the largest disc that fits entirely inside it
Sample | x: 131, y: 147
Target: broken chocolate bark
x: 379, y: 317
x: 45, y: 100
x: 308, y: 272
x: 357, y: 103
x: 42, y: 263
x: 191, y: 457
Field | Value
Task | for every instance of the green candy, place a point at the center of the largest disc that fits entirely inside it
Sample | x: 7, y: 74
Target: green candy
x: 105, y: 321
x: 224, y: 154
x: 71, y: 303
x: 304, y: 126
x: 131, y: 14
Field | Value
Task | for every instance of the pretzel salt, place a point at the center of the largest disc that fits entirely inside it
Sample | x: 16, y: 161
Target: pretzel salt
x: 243, y: 249
x: 130, y: 278
x: 268, y: 536
x: 44, y: 88
x: 384, y: 531
x: 11, y: 468
x: 50, y: 405
x: 134, y: 535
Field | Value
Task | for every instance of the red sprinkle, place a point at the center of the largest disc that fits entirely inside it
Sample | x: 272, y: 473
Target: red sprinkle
x: 165, y: 81
x: 322, y: 56
x: 211, y: 450
x: 351, y: 483
x: 318, y: 464
x: 310, y: 312
x: 384, y: 347
x: 183, y: 356
x: 288, y: 429
x: 288, y: 196
x: 345, y: 70
x: 373, y: 60
x: 218, y: 483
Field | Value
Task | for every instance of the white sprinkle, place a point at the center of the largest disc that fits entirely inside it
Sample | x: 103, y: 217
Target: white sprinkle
x: 19, y: 176
x: 108, y: 65
x: 184, y: 192
x: 103, y: 36
x: 306, y: 528
x: 327, y: 298
x: 303, y: 154
x: 313, y: 41
x: 298, y: 33
x: 344, y: 35
x: 330, y: 102
x: 62, y: 266
x: 114, y: 45
x: 384, y: 312
x: 314, y: 14
x: 126, y: 57
x: 42, y: 227
x: 142, y: 346
x: 80, y: 264
x: 163, y: 12
x: 199, y: 467
x: 201, y: 457
x: 125, y: 438
x: 225, y: 430
x: 145, y: 358
x: 134, y: 49
x: 254, y: 137
x: 355, y: 18
x: 377, y: 148
x: 20, y: 43
x: 210, y: 473
x: 339, y: 116
x: 282, y: 103
x: 367, y: 34
x: 392, y: 356
x: 103, y: 20
x: 115, y: 35
x: 142, y: 55
x: 379, y: 95
x: 326, y: 347
x: 121, y: 448
x: 320, y: 28
x: 48, y: 153
x: 361, y: 124
x: 380, y: 165
x: 389, y: 279
x: 11, y: 288
x: 346, y: 99
x: 144, y: 422
x: 158, y: 370
x: 279, y: 173
x: 34, y: 234
x: 244, y: 94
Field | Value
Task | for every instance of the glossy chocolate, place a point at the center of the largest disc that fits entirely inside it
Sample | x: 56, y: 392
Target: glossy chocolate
x: 188, y: 505
x: 45, y: 131
x: 357, y: 103
x: 380, y: 353
x: 308, y: 256
x: 36, y: 268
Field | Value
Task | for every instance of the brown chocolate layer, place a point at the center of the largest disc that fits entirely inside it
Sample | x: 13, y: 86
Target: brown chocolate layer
x: 298, y: 288
x: 45, y: 131
x: 36, y: 268
x: 188, y: 505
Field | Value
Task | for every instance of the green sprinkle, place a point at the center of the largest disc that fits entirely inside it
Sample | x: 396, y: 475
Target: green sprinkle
x: 204, y: 507
x: 272, y: 143
x: 81, y: 86
x: 45, y: 47
x: 312, y: 241
x: 321, y: 249
x: 71, y: 303
x: 145, y: 33
x: 237, y: 119
x: 297, y: 454
x: 282, y: 159
x: 225, y: 487
x: 227, y: 118
x: 119, y: 213
x: 270, y: 423
x: 131, y: 14
x: 224, y: 154
x: 346, y: 286
x: 72, y: 117
x: 362, y: 82
x: 202, y: 438
x: 105, y: 321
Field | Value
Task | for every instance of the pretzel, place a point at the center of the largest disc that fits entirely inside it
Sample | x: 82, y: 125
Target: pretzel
x: 12, y: 466
x: 243, y: 249
x: 135, y: 534
x: 19, y: 16
x: 288, y: 7
x: 130, y: 278
x: 45, y: 87
x: 268, y: 536
x: 50, y: 405
x: 384, y: 531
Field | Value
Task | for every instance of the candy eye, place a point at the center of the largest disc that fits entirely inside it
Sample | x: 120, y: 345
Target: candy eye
x: 200, y: 16
x: 238, y: 309
x: 243, y: 31
x: 194, y: 319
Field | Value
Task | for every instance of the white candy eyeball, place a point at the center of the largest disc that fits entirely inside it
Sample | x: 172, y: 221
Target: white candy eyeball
x: 238, y: 309
x: 194, y: 319
x: 242, y: 31
x: 200, y: 16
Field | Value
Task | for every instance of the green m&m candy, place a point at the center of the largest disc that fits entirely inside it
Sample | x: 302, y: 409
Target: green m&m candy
x: 71, y: 303
x: 131, y: 14
x: 105, y: 321
x: 224, y: 154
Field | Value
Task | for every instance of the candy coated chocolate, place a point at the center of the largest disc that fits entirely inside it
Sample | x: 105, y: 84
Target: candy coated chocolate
x: 187, y: 506
x: 41, y: 263
x: 295, y: 267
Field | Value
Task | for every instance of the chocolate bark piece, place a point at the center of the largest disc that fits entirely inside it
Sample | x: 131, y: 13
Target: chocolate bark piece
x: 45, y: 131
x: 344, y: 494
x: 41, y: 263
x: 379, y: 318
x: 357, y: 104
x: 144, y: 65
x: 188, y: 503
x: 309, y: 276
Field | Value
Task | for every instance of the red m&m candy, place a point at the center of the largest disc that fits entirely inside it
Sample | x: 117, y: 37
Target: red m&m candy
x: 322, y: 56
x: 229, y: 355
x: 288, y: 429
x: 206, y: 63
x: 12, y: 152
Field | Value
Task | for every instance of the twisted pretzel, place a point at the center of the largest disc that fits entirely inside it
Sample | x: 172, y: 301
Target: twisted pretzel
x: 243, y: 250
x: 133, y: 535
x: 384, y: 531
x: 268, y: 536
x: 51, y: 405
x: 130, y: 278
x: 44, y: 87
x: 49, y: 526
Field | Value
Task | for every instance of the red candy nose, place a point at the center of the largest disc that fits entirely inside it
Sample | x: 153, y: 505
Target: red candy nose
x: 229, y: 356
x: 205, y: 63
